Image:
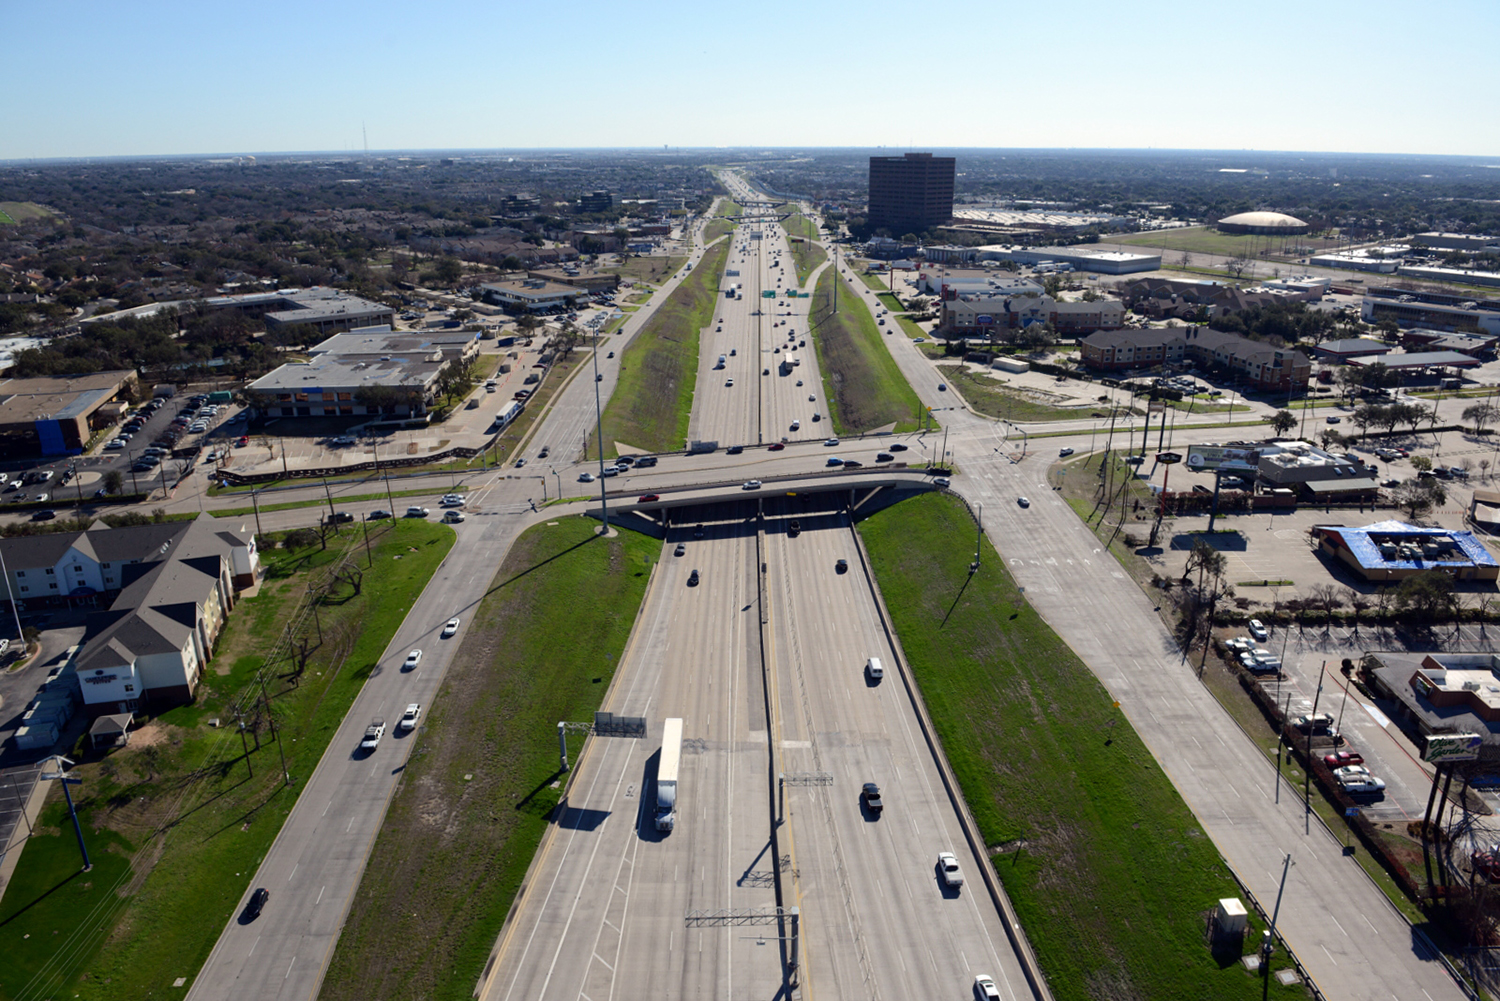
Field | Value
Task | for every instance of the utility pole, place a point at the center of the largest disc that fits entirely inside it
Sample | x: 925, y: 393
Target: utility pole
x: 255, y: 503
x: 62, y: 776
x: 1268, y: 937
x: 599, y: 426
x: 329, y: 493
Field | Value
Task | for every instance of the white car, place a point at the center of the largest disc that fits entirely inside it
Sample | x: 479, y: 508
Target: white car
x: 452, y: 500
x: 1023, y: 501
x: 409, y: 718
x: 751, y: 485
x: 417, y: 512
x: 117, y: 443
x: 585, y: 477
x: 412, y: 660
x: 831, y: 441
x: 984, y: 986
x: 948, y: 865
x: 450, y: 628
x: 373, y: 733
x: 1258, y: 630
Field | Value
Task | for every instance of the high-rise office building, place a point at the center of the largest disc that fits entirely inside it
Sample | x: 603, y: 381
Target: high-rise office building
x: 910, y: 193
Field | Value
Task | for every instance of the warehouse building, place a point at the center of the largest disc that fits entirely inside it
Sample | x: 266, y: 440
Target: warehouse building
x: 1390, y: 551
x: 531, y: 295
x: 1081, y: 258
x: 326, y: 310
x: 1432, y: 310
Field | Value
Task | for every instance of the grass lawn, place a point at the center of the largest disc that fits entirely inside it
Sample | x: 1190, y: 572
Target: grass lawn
x: 890, y: 302
x: 14, y: 212
x: 647, y: 269
x: 717, y: 228
x: 873, y: 281
x: 861, y: 381
x: 730, y: 209
x: 1202, y: 240
x: 175, y: 822
x: 1108, y: 869
x: 453, y: 850
x: 798, y: 224
x: 649, y: 407
x: 991, y: 397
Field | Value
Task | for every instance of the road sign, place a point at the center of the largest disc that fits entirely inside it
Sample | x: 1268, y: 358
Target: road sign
x: 1351, y: 812
x: 1168, y: 458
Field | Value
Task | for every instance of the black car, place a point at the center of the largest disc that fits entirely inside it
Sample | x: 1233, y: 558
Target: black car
x: 794, y: 528
x: 896, y: 446
x: 257, y: 903
x: 870, y: 796
x: 842, y: 566
x: 884, y: 457
x: 44, y: 515
x: 520, y: 463
x: 693, y: 579
x: 852, y: 464
x: 734, y: 450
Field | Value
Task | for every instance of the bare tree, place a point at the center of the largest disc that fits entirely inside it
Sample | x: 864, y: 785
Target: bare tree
x: 1357, y: 600
x: 1327, y: 598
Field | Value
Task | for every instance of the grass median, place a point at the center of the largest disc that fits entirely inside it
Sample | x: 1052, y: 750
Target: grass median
x: 474, y: 802
x: 862, y: 383
x: 1109, y: 871
x: 651, y: 402
x: 178, y: 821
x: 991, y: 397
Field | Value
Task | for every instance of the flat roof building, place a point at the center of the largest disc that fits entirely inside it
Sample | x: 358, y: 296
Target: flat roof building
x: 1262, y: 364
x: 1433, y: 272
x: 1393, y: 550
x: 326, y: 310
x: 57, y: 414
x: 1083, y: 258
x: 1351, y: 347
x: 1472, y: 242
x: 531, y: 295
x: 391, y: 373
x: 911, y: 193
x: 1433, y: 310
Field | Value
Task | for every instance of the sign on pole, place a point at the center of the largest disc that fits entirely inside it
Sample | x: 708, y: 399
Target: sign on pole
x: 1210, y: 457
x: 1443, y: 747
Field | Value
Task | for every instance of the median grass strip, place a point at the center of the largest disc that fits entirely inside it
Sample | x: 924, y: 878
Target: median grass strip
x: 863, y: 385
x: 650, y: 405
x: 1109, y: 871
x: 806, y: 255
x: 873, y: 281
x: 476, y: 797
x: 176, y: 822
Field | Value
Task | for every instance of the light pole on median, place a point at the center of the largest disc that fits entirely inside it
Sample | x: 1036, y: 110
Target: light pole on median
x: 599, y: 430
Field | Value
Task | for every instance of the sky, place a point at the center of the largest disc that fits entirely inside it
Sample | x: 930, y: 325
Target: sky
x: 160, y: 77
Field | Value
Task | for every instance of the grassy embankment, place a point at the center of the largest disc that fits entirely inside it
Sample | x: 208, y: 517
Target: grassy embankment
x: 176, y: 822
x: 651, y: 269
x: 890, y: 302
x: 864, y: 387
x: 873, y: 281
x: 1108, y: 869
x: 16, y: 212
x: 454, y: 849
x: 806, y: 255
x: 989, y: 396
x: 650, y: 405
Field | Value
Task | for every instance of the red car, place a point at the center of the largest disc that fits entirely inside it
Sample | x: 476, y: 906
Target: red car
x: 776, y: 447
x: 242, y: 441
x: 1340, y: 759
x: 648, y: 497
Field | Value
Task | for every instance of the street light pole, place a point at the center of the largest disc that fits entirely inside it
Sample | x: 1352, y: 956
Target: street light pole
x: 599, y: 430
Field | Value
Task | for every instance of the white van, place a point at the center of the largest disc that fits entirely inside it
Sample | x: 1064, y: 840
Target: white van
x: 874, y: 670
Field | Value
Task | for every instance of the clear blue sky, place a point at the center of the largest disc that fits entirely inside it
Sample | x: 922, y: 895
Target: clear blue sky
x: 159, y: 77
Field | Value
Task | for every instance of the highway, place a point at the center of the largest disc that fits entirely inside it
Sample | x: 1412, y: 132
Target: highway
x: 606, y: 905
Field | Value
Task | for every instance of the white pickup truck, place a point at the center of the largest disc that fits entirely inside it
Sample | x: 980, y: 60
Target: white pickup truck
x: 373, y: 733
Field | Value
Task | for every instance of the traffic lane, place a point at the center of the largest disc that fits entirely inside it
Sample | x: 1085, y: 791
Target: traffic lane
x: 866, y: 731
x: 1126, y: 646
x: 316, y: 867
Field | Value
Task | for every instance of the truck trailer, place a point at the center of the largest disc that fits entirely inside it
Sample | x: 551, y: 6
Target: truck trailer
x: 666, y: 775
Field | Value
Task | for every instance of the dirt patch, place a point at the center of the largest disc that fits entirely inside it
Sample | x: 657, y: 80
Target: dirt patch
x: 150, y: 735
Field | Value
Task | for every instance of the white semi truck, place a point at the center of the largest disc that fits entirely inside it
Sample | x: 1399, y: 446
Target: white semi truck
x: 666, y: 775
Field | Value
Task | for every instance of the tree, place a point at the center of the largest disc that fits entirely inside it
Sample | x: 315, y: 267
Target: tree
x: 450, y: 270
x: 1332, y: 439
x: 1429, y: 594
x: 1282, y: 421
x: 1480, y: 414
x: 1417, y: 497
x: 114, y: 481
x: 1327, y: 598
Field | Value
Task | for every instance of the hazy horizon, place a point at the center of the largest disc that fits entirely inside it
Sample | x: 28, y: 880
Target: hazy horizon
x: 169, y: 78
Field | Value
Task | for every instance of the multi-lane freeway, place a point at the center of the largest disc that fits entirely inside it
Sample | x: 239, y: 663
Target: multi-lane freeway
x: 763, y: 660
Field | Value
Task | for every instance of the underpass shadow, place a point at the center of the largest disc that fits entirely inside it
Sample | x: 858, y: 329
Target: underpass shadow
x: 577, y: 819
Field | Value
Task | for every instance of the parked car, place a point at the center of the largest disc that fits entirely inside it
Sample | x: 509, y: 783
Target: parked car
x: 1343, y: 759
x: 1258, y: 630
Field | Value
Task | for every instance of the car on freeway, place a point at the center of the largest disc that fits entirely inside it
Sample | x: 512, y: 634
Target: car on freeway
x: 409, y: 718
x: 852, y: 464
x: 831, y: 441
x: 373, y: 733
x: 585, y: 477
x: 412, y: 660
x: 896, y: 446
x: 693, y: 579
x: 948, y: 866
x: 984, y: 987
x: 450, y: 627
x: 842, y: 566
x: 1343, y: 759
x: 834, y: 460
x: 1064, y: 453
x: 1024, y: 502
x: 728, y: 383
x: 648, y: 498
x: 942, y: 388
x: 681, y: 549
x: 884, y: 457
x: 1258, y: 630
x: 776, y: 446
x: 417, y: 512
x: 257, y: 903
x: 751, y: 485
x: 869, y: 795
x: 45, y: 515
x: 734, y: 450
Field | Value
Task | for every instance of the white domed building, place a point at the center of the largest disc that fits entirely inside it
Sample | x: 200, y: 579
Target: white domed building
x: 1269, y: 223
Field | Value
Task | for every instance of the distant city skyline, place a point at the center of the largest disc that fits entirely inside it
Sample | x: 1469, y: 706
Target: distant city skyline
x: 169, y: 78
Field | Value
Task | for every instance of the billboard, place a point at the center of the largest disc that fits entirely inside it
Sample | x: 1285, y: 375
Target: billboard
x: 1210, y: 457
x: 1445, y: 747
